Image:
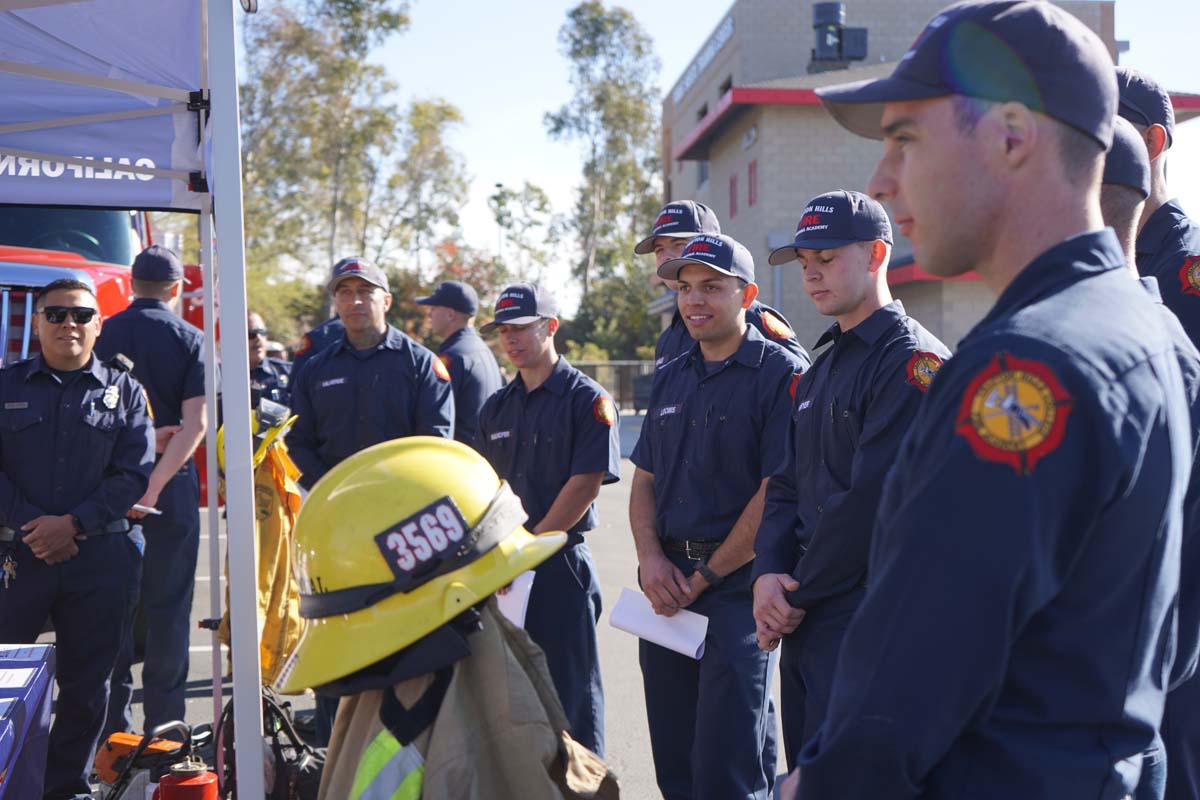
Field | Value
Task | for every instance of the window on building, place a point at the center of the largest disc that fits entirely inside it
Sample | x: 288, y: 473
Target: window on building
x: 732, y: 196
x: 726, y: 85
x: 701, y: 173
x: 752, y: 184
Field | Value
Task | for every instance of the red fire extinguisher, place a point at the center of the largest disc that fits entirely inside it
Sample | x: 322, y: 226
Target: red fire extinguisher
x: 187, y: 780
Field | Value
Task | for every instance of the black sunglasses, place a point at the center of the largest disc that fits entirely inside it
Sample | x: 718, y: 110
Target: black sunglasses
x: 56, y: 315
x: 258, y: 332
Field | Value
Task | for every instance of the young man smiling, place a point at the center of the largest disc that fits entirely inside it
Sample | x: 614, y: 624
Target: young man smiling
x: 852, y: 408
x: 715, y: 432
x: 552, y: 434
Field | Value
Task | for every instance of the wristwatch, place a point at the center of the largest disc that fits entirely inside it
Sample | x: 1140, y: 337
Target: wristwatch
x: 713, y: 578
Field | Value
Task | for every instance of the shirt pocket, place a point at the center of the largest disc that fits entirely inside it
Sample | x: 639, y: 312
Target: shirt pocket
x: 727, y: 437
x: 99, y: 432
x: 668, y: 430
x: 23, y: 432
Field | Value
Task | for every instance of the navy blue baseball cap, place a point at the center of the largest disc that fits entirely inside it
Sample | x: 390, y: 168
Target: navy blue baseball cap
x: 1128, y: 162
x: 718, y: 251
x: 521, y: 304
x: 157, y: 263
x: 1026, y: 51
x: 836, y: 219
x: 681, y: 219
x: 357, y: 267
x: 453, y: 294
x: 1144, y: 101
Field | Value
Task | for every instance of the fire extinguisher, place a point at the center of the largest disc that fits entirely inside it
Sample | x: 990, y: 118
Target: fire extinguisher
x: 187, y: 780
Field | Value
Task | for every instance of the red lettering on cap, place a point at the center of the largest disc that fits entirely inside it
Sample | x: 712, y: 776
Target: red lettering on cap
x: 698, y: 247
x: 810, y: 219
x: 506, y: 302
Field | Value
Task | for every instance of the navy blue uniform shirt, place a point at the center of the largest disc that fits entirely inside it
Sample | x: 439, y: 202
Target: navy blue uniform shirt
x: 1168, y: 248
x: 324, y: 335
x: 167, y: 353
x: 1017, y: 629
x: 348, y: 400
x: 538, y: 440
x: 474, y: 377
x: 711, y: 437
x: 852, y: 409
x: 1188, y: 655
x: 675, y: 340
x: 271, y: 379
x: 84, y: 446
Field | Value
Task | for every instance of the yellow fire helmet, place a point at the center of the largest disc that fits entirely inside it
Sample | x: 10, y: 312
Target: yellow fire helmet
x: 268, y: 423
x: 393, y: 543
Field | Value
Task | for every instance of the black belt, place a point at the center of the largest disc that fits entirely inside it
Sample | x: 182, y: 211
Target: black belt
x: 695, y: 549
x: 116, y: 526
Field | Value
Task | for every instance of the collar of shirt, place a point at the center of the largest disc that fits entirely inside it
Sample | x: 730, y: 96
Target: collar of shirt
x: 94, y: 367
x: 1066, y: 263
x: 870, y: 329
x: 556, y: 382
x: 1157, y: 228
x: 461, y: 333
x: 149, y: 302
x: 750, y: 353
x: 393, y: 339
x: 1151, y: 287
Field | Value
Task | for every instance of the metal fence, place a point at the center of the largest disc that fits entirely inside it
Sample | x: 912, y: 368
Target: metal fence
x: 627, y: 381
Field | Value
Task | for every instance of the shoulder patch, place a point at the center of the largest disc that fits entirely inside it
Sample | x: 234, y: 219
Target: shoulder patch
x: 921, y: 369
x: 604, y: 411
x: 439, y: 368
x: 305, y: 344
x: 1014, y: 412
x: 1189, y: 275
x: 776, y: 327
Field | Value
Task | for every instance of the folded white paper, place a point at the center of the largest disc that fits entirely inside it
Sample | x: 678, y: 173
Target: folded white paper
x: 684, y: 632
x: 515, y: 603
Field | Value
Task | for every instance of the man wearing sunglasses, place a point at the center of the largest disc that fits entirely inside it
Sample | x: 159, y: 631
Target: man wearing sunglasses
x: 76, y: 451
x: 269, y: 377
x: 167, y: 355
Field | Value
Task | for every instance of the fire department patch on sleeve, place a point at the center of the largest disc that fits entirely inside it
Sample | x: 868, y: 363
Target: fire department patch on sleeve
x: 1189, y: 275
x: 777, y: 328
x: 305, y: 345
x: 921, y: 369
x: 1014, y: 412
x: 440, y: 368
x: 604, y: 411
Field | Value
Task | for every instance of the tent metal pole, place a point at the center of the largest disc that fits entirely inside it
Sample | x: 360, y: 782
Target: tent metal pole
x: 210, y: 445
x: 235, y: 379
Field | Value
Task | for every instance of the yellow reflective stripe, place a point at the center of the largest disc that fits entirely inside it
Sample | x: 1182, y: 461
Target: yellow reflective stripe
x: 388, y: 771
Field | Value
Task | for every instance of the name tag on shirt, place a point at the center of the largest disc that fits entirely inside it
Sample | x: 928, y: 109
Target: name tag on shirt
x: 332, y: 382
x: 666, y: 411
x: 500, y: 435
x: 16, y: 406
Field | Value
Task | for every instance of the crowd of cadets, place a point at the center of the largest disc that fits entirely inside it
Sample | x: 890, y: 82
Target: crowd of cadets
x: 977, y: 575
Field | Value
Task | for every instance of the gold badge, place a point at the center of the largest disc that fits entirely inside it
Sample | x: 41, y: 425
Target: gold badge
x: 921, y: 369
x: 1014, y: 412
x: 111, y: 395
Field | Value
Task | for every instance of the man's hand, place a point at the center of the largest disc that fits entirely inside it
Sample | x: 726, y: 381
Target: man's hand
x: 774, y: 616
x: 664, y: 585
x: 51, y: 538
x: 697, y: 584
x: 163, y: 435
x: 149, y: 499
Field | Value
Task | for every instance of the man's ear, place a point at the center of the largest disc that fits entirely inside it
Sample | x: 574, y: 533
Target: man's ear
x: 1155, y: 138
x: 552, y: 325
x: 749, y: 293
x: 1020, y: 130
x: 879, y: 255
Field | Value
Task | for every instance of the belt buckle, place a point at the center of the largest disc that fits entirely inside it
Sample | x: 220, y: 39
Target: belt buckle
x: 687, y: 550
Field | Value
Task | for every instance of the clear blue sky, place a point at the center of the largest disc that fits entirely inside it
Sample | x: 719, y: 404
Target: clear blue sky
x: 500, y: 63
